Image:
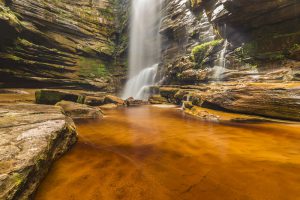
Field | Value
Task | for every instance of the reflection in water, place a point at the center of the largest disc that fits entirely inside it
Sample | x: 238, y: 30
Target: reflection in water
x: 159, y: 153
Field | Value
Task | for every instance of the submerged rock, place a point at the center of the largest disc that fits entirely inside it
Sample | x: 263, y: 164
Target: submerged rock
x: 94, y: 101
x: 31, y: 138
x: 51, y: 97
x: 202, y: 114
x: 80, y: 111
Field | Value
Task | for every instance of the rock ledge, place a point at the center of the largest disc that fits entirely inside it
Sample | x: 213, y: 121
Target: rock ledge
x: 31, y: 138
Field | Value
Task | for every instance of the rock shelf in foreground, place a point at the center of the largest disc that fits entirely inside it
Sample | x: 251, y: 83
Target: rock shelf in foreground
x: 31, y: 138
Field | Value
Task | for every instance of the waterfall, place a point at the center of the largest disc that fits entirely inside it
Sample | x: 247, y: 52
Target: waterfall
x: 220, y: 66
x: 144, y: 48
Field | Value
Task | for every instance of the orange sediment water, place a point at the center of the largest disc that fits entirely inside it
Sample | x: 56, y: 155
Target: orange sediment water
x: 160, y: 153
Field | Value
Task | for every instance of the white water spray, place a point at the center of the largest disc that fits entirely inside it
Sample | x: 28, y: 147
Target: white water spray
x: 220, y: 66
x: 144, y: 49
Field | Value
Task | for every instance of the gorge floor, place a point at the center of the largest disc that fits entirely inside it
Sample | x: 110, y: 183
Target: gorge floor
x: 151, y: 152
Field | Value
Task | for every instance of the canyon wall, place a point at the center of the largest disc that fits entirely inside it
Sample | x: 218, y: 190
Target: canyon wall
x: 230, y: 40
x: 61, y: 43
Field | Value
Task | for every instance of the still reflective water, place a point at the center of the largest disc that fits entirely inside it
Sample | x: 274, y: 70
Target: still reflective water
x: 159, y: 153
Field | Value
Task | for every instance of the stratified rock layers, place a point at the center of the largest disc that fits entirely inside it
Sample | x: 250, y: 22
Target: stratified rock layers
x: 256, y: 37
x: 31, y: 138
x: 271, y: 100
x: 59, y: 43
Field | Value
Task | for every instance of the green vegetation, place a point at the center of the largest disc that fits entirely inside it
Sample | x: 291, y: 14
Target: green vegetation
x: 91, y: 67
x: 295, y: 47
x: 199, y: 51
x: 195, y: 4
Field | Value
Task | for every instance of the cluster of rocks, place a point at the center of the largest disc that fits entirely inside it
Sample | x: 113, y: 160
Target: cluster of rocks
x: 33, y: 135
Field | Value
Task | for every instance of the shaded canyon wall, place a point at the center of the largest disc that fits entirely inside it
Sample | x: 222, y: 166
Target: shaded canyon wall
x: 62, y: 43
x: 262, y: 41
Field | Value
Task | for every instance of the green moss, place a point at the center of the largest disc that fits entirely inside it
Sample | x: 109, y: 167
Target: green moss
x: 295, y: 47
x: 18, y: 179
x: 7, y: 15
x: 51, y: 97
x: 195, y: 4
x: 81, y: 99
x: 91, y: 67
x: 198, y: 52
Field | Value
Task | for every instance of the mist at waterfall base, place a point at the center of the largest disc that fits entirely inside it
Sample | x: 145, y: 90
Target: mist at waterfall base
x: 144, y: 48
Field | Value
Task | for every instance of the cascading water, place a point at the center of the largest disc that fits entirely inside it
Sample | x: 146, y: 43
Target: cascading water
x: 220, y: 66
x: 144, y: 49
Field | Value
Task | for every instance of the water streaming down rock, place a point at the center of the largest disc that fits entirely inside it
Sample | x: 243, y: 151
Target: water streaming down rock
x: 144, y: 50
x: 220, y: 66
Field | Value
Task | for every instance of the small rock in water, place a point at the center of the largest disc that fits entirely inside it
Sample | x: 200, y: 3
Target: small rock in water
x: 135, y: 102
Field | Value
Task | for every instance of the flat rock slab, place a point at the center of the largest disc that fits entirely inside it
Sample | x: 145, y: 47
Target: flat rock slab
x: 31, y: 138
x: 80, y: 111
x: 275, y: 100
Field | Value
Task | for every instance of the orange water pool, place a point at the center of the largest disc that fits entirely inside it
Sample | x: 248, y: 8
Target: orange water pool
x: 153, y: 153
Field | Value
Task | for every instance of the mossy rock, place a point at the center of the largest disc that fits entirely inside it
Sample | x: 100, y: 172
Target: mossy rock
x: 168, y: 93
x: 157, y: 99
x: 51, y: 97
x: 201, y: 51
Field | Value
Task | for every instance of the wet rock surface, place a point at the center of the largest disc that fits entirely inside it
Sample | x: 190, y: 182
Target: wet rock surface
x: 80, y: 111
x: 113, y: 99
x: 249, y: 40
x: 31, y: 138
x: 51, y: 97
x: 275, y: 100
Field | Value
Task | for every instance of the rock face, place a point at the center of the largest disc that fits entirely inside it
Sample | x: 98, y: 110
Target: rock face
x: 275, y: 100
x: 51, y: 97
x: 61, y: 43
x: 80, y: 111
x: 230, y: 40
x: 32, y: 137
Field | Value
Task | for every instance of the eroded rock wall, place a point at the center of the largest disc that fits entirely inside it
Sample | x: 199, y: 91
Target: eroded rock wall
x: 60, y: 43
x: 252, y: 39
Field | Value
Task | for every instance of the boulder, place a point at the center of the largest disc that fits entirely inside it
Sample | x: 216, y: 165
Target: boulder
x: 135, y: 102
x: 113, y: 99
x: 80, y: 111
x: 51, y: 97
x: 168, y: 93
x: 31, y: 138
x: 94, y: 101
x: 157, y: 99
